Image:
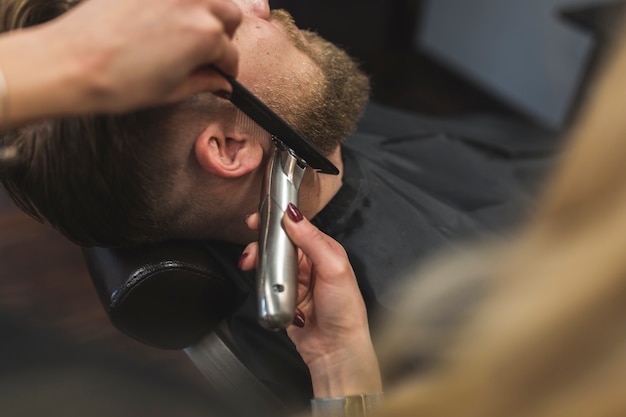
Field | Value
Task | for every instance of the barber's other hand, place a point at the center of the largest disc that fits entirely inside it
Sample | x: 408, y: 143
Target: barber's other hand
x: 335, y: 341
x: 110, y: 56
x: 142, y: 52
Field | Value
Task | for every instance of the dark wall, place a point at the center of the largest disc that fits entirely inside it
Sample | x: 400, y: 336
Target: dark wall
x: 362, y: 27
x: 380, y: 34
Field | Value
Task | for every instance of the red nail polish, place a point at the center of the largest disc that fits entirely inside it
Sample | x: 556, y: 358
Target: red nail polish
x: 294, y: 214
x: 298, y: 318
x: 242, y: 258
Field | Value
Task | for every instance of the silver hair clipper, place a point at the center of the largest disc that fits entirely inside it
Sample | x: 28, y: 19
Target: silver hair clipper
x: 277, y: 268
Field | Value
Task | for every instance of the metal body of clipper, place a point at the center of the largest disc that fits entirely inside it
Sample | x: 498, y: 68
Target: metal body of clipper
x: 277, y: 269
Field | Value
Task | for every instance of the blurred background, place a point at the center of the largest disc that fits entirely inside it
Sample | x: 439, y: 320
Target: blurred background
x: 529, y: 60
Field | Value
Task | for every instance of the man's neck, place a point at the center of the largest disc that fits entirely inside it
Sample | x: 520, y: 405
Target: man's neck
x: 318, y: 189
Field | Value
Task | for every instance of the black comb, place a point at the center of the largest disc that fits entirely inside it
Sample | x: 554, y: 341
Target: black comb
x: 265, y: 117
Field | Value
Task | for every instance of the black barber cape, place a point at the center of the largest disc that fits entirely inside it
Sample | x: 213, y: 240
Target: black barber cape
x: 411, y: 186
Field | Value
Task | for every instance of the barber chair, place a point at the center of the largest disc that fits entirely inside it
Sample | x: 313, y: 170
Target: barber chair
x: 173, y: 295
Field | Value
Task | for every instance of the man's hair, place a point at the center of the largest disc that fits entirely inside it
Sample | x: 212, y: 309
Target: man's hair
x: 87, y: 153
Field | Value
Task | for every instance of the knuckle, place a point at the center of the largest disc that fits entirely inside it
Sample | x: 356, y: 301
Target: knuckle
x: 213, y: 28
x: 342, y: 268
x: 338, y: 268
x: 315, y: 234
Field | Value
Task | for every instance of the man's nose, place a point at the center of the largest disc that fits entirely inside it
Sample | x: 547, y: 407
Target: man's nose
x: 258, y: 8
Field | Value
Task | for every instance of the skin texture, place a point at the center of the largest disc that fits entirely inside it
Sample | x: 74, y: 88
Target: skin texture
x: 266, y: 48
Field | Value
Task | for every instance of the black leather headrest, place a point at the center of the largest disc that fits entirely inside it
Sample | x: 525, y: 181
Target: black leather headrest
x: 167, y: 295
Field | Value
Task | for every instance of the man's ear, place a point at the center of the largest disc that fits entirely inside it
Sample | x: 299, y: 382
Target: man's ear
x: 226, y: 156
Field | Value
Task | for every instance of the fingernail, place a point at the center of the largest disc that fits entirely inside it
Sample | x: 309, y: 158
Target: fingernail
x: 294, y: 214
x: 246, y: 217
x: 298, y: 318
x: 242, y: 258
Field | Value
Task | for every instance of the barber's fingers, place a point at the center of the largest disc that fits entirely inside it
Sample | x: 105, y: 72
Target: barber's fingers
x: 328, y: 256
x: 202, y: 79
x: 224, y: 54
x: 249, y: 255
x: 247, y: 261
x: 214, y: 44
x: 228, y: 13
x: 252, y: 221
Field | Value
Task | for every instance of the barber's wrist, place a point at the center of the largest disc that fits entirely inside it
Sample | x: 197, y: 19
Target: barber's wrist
x: 349, y: 371
x: 361, y: 405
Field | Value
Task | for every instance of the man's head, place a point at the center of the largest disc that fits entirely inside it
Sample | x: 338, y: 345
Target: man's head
x: 188, y: 170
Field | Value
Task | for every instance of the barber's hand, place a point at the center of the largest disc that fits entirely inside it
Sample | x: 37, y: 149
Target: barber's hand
x: 143, y: 52
x: 334, y: 341
x: 110, y: 56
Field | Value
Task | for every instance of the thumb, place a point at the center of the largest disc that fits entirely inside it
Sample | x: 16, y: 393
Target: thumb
x: 327, y: 255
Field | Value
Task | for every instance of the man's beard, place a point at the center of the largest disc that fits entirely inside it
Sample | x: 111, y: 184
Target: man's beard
x: 328, y: 116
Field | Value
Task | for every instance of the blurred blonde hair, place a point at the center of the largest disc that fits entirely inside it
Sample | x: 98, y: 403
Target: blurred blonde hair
x: 549, y: 337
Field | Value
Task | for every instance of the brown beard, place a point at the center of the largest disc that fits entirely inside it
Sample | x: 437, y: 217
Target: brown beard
x: 329, y: 116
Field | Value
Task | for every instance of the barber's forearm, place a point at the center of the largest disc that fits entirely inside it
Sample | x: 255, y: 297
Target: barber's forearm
x: 353, y: 370
x: 43, y: 79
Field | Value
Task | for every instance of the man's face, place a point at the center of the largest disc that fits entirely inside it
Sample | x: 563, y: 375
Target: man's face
x: 268, y: 53
x: 311, y: 83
